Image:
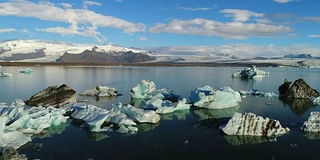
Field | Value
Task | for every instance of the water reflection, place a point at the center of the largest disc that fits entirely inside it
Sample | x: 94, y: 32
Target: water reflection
x: 143, y: 127
x: 214, y: 113
x: 52, y: 130
x: 96, y: 136
x: 298, y: 106
x: 247, y: 140
x: 179, y: 115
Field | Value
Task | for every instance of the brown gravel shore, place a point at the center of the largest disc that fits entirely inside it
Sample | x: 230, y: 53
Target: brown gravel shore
x: 151, y: 64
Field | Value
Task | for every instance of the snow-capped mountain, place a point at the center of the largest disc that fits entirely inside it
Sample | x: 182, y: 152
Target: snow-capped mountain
x: 53, y: 51
x: 50, y: 51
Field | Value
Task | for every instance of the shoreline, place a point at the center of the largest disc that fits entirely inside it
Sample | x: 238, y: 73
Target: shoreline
x: 146, y: 64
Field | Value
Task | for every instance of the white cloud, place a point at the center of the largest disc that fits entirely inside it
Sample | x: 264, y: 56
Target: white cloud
x: 282, y: 1
x: 314, y: 35
x: 4, y: 30
x: 86, y: 4
x: 240, y: 15
x: 142, y: 38
x: 228, y: 30
x: 66, y: 5
x: 73, y: 29
x: 195, y: 9
x: 119, y: 0
x: 48, y: 12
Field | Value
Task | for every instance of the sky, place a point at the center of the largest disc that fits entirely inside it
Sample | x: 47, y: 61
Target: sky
x: 253, y: 27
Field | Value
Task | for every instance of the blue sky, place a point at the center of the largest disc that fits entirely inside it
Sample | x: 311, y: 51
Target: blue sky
x: 158, y: 23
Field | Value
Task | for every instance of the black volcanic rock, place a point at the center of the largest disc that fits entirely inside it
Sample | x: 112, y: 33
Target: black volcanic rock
x: 105, y: 57
x: 299, y: 89
x: 54, y: 96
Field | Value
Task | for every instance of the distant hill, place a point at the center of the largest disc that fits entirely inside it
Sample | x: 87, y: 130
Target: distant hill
x: 96, y: 56
x: 297, y: 55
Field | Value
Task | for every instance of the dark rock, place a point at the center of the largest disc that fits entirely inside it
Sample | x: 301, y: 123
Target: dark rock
x: 299, y: 89
x: 284, y: 87
x: 53, y: 96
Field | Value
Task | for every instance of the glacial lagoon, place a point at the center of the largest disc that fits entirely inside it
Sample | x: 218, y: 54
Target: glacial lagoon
x: 178, y: 135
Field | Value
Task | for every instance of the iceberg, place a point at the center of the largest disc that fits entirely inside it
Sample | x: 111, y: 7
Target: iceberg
x: 146, y: 89
x: 137, y: 114
x: 4, y: 74
x: 315, y: 100
x: 96, y: 117
x: 256, y: 92
x: 251, y: 73
x: 313, y: 123
x: 165, y: 106
x: 17, y: 120
x: 208, y: 97
x: 101, y: 91
x: 253, y: 125
x: 26, y: 71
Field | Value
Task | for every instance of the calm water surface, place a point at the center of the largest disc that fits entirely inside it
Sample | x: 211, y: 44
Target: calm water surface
x: 175, y: 136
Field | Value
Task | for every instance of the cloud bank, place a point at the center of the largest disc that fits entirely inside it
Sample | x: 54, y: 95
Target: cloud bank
x: 91, y: 21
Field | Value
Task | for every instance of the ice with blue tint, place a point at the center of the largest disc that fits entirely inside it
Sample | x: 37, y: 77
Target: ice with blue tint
x: 17, y: 120
x: 250, y: 72
x: 165, y: 106
x: 95, y: 117
x: 146, y: 89
x: 208, y: 97
x: 101, y: 91
x: 137, y: 114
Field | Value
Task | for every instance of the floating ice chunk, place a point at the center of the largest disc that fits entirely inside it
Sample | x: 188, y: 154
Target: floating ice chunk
x: 146, y: 89
x: 316, y: 100
x: 251, y: 73
x: 181, y: 105
x: 32, y: 120
x: 95, y: 117
x: 259, y: 93
x: 207, y: 97
x: 313, y: 123
x: 4, y: 74
x: 137, y: 114
x: 251, y: 124
x: 101, y: 91
x: 14, y: 139
x: 26, y: 71
x: 92, y: 115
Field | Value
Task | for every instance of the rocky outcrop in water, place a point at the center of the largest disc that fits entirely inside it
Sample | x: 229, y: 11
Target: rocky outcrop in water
x: 299, y: 89
x: 253, y: 125
x: 54, y: 96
